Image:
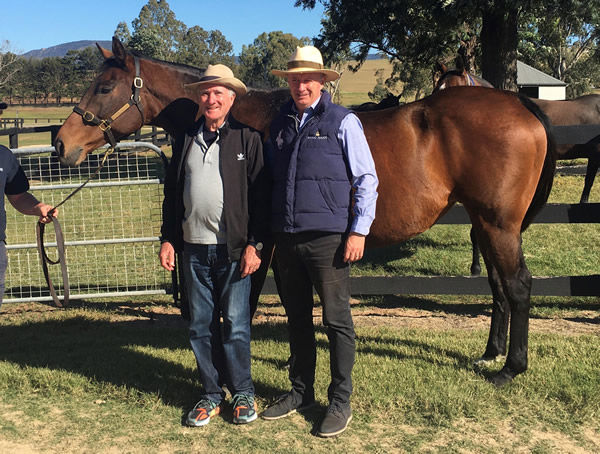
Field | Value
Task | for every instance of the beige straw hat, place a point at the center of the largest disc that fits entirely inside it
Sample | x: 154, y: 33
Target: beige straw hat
x: 220, y: 75
x: 307, y: 59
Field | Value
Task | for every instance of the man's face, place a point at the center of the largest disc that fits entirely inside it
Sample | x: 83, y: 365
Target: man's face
x: 215, y: 102
x: 305, y: 88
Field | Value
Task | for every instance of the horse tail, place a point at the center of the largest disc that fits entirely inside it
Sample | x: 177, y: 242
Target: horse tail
x: 544, y: 185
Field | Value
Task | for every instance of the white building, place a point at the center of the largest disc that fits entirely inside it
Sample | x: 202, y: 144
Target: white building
x: 536, y: 84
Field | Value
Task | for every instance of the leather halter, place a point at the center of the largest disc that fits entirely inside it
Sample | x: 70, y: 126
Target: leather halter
x: 105, y: 125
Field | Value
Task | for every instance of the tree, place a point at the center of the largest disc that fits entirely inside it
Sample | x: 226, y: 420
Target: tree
x: 564, y: 44
x: 200, y: 48
x: 267, y: 52
x: 8, y: 63
x: 122, y: 32
x: 420, y: 32
x: 157, y: 29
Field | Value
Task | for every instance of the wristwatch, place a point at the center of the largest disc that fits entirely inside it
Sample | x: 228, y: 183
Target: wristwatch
x: 258, y: 246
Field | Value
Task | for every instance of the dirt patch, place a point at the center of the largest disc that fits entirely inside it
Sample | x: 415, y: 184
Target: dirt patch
x: 576, y: 323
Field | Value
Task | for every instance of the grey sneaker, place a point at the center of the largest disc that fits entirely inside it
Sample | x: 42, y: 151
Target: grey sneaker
x: 336, y: 420
x: 244, y: 409
x: 286, y: 405
x: 202, y: 412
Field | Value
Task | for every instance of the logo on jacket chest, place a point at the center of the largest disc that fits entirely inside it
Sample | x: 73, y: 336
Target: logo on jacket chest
x: 316, y: 136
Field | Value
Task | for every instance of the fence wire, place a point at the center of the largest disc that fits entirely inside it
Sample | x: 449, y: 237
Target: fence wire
x: 110, y: 227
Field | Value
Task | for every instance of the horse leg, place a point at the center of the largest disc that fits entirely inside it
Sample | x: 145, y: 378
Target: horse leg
x: 497, y: 339
x: 496, y: 345
x: 506, y: 256
x: 475, y: 265
x: 590, y: 174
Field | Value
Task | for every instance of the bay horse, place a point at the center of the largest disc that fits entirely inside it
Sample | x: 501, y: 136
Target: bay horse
x: 584, y: 110
x: 429, y: 154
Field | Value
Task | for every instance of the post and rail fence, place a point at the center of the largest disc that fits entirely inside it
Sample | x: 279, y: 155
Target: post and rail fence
x: 111, y: 231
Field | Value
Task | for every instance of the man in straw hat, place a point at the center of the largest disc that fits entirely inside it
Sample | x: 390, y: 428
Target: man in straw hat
x: 214, y: 213
x: 319, y: 155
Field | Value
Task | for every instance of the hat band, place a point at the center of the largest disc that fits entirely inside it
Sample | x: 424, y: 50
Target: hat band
x: 304, y: 64
x: 207, y: 78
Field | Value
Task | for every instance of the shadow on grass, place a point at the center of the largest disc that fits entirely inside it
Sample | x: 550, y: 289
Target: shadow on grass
x: 110, y: 352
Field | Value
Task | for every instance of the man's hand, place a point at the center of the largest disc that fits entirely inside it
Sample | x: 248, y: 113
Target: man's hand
x: 355, y: 247
x: 45, y: 212
x: 250, y: 261
x: 166, y: 256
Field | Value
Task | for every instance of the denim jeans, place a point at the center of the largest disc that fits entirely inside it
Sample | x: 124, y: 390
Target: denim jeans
x: 215, y: 289
x: 315, y: 259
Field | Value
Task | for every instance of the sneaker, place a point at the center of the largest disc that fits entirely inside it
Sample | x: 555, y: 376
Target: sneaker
x: 335, y: 421
x: 287, y: 404
x: 202, y: 412
x: 244, y: 409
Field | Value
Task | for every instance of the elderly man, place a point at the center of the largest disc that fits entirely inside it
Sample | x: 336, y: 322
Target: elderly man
x: 323, y: 204
x: 214, y: 212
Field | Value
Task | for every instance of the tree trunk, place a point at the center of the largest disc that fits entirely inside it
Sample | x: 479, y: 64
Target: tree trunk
x: 499, y: 45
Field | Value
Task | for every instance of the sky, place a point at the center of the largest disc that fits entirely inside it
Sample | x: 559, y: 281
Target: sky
x: 37, y: 24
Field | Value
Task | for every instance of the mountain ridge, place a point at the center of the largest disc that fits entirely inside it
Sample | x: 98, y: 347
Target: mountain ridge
x: 60, y: 50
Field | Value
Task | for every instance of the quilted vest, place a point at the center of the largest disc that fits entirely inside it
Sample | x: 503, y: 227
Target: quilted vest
x: 311, y: 175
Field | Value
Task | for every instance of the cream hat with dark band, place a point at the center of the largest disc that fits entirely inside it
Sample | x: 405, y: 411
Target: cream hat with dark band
x: 220, y: 75
x: 307, y: 59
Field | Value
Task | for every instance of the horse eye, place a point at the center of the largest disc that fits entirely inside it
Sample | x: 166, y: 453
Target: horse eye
x: 105, y: 89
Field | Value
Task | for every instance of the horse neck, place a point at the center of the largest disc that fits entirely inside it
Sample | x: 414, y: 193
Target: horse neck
x: 167, y: 102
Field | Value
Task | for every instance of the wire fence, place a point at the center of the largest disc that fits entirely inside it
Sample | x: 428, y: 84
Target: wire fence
x: 110, y: 227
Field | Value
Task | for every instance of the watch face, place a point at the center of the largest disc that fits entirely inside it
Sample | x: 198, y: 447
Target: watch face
x: 259, y: 246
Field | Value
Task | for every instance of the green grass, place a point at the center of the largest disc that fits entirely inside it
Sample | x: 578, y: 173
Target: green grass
x: 102, y: 377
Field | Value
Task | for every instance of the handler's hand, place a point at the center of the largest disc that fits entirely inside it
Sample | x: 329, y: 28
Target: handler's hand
x: 355, y: 246
x: 45, y: 212
x: 250, y: 261
x: 167, y: 256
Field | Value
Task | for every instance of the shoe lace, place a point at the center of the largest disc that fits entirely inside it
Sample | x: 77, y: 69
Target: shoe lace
x: 205, y: 403
x: 243, y: 400
x: 335, y: 409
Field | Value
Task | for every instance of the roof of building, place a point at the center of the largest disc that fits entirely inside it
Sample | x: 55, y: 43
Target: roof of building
x: 529, y: 76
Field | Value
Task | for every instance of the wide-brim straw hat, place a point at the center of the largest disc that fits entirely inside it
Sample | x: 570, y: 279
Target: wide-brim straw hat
x: 307, y: 59
x: 220, y: 75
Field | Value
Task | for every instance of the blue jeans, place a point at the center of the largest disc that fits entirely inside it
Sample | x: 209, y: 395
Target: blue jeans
x: 215, y: 289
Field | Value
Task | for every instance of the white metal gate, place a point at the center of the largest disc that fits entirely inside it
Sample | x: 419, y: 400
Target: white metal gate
x: 110, y: 227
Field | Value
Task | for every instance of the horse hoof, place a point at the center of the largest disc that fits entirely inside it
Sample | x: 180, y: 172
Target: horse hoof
x: 475, y: 272
x: 502, y: 378
x: 486, y: 361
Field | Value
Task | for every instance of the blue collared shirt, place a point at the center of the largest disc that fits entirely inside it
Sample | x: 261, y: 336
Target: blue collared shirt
x: 362, y: 168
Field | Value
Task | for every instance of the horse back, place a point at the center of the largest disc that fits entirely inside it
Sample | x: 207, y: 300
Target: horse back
x: 479, y: 147
x: 583, y: 110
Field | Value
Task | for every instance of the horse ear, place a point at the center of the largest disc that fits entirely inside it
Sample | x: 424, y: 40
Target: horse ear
x: 106, y: 54
x: 118, y: 50
x: 442, y: 67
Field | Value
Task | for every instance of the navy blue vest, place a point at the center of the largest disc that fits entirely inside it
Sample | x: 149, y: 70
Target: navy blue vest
x: 311, y: 175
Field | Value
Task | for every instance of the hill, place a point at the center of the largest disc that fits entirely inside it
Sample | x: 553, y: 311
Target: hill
x: 61, y: 50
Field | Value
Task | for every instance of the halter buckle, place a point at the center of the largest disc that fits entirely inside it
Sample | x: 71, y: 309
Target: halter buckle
x: 104, y: 125
x: 138, y: 82
x: 88, y: 116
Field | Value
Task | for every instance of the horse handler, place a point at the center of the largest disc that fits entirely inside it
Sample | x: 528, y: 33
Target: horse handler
x: 214, y: 213
x: 323, y: 204
x: 15, y: 186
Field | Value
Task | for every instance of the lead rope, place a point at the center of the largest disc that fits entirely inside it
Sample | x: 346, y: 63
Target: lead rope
x: 60, y: 242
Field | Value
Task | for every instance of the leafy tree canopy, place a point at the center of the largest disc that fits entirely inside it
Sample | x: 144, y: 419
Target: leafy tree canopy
x: 267, y: 52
